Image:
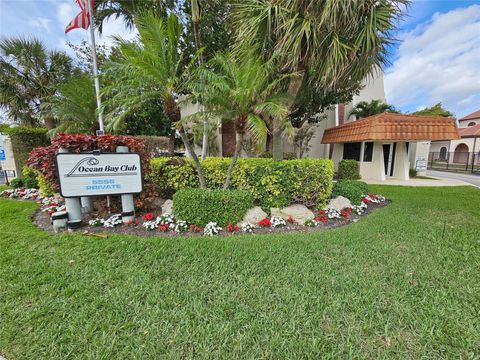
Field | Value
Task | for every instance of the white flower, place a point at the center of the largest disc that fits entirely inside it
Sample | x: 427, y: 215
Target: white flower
x: 113, y: 221
x: 180, y: 226
x: 248, y: 227
x: 166, y: 219
x: 376, y: 199
x: 311, y: 223
x: 277, y: 221
x: 211, y: 229
x: 96, y: 222
x: 333, y: 214
x: 359, y: 209
x: 150, y: 225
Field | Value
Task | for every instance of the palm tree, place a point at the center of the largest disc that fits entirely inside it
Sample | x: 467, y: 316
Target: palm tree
x: 336, y: 42
x: 364, y: 109
x: 152, y: 68
x: 128, y: 9
x: 240, y: 90
x: 29, y: 73
x: 74, y: 106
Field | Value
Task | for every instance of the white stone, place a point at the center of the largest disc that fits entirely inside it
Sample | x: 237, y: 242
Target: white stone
x: 300, y: 213
x: 167, y: 207
x: 339, y: 203
x: 276, y: 212
x: 254, y: 215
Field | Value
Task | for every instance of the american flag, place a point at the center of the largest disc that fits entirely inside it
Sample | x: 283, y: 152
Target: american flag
x: 82, y: 20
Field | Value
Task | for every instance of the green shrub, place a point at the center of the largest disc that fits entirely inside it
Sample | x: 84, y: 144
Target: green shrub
x: 413, y: 173
x: 348, y: 170
x: 351, y: 189
x: 272, y: 183
x: 200, y: 206
x: 17, y: 183
x: 29, y: 178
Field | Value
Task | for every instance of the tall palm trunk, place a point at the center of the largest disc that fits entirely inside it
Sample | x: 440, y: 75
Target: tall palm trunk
x: 50, y: 123
x: 171, y: 143
x: 238, y: 149
x: 196, y: 18
x: 277, y: 134
x: 277, y: 144
x: 193, y: 155
x: 172, y: 110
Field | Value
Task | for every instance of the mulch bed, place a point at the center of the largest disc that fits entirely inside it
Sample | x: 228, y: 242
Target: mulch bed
x: 42, y: 220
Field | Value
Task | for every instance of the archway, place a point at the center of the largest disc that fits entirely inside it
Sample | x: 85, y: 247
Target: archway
x: 461, y: 154
x: 443, y: 153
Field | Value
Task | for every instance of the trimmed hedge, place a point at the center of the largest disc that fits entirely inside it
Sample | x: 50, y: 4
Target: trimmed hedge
x: 351, y: 189
x: 272, y: 183
x: 348, y: 170
x: 200, y: 206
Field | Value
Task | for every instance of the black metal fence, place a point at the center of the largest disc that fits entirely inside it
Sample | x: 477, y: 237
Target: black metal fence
x: 454, y: 161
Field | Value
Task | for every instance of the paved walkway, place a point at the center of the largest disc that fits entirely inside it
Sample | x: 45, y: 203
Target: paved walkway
x: 420, y: 182
x: 469, y: 178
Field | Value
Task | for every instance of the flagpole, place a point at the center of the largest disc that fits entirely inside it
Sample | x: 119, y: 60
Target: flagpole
x: 95, y: 66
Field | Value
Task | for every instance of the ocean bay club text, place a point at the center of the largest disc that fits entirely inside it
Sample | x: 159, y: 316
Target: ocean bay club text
x: 106, y: 168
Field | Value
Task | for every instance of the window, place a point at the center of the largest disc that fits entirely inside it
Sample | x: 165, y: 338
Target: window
x: 351, y: 151
x: 368, y: 151
x: 472, y: 124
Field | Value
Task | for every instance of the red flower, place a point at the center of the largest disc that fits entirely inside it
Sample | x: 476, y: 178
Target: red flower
x: 194, y: 228
x: 231, y: 228
x: 344, y: 213
x: 137, y: 222
x: 147, y: 217
x: 290, y: 220
x: 265, y: 222
x: 163, y: 228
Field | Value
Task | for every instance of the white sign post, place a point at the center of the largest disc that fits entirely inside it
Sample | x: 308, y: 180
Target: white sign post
x: 91, y: 174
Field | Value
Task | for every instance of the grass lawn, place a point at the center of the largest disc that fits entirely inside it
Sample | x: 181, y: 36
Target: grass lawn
x: 393, y: 285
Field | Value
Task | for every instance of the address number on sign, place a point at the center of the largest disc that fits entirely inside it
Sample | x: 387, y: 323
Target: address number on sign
x: 99, y: 174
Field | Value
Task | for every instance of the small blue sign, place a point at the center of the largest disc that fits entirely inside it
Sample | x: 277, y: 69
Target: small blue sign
x: 2, y: 155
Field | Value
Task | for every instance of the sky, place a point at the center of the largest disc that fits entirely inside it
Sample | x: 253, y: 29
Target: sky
x: 436, y: 59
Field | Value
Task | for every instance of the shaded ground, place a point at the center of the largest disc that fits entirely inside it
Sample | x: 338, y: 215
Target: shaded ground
x: 403, y: 282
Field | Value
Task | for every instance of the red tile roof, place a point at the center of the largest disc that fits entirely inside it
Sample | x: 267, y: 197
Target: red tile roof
x: 470, y: 131
x: 396, y: 127
x: 474, y: 115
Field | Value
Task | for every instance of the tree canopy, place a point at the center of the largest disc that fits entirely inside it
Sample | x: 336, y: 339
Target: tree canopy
x: 435, y: 110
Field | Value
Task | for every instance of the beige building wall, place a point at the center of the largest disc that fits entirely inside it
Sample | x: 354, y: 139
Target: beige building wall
x: 466, y: 123
x: 375, y: 169
x: 9, y: 163
x: 373, y: 90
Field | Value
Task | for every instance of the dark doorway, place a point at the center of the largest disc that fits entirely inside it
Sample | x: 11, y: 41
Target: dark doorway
x: 389, y: 158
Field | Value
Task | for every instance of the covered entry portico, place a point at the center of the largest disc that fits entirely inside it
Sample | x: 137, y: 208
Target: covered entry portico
x: 381, y: 142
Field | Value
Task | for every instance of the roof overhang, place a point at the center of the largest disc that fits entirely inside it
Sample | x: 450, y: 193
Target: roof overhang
x: 393, y: 127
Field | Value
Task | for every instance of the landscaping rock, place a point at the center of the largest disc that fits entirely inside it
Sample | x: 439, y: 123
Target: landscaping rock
x: 339, y: 203
x: 300, y: 213
x: 276, y: 212
x: 167, y: 207
x: 254, y: 215
x: 158, y: 203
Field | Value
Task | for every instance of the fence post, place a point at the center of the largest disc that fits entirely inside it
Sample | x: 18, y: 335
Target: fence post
x: 473, y: 162
x: 128, y: 205
x: 448, y: 159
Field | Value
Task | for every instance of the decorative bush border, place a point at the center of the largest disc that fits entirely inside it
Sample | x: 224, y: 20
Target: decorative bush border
x: 149, y: 224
